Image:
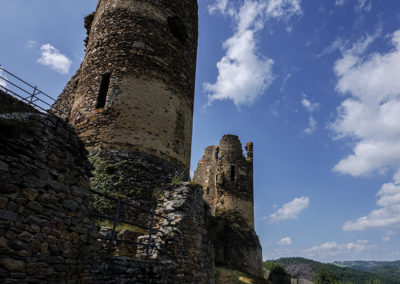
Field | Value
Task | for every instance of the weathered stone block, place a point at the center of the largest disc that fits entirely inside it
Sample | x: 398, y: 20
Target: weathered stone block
x: 3, y: 202
x: 13, y: 265
x: 35, y: 206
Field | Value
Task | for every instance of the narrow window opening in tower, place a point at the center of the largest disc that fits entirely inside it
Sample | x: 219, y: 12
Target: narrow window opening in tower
x: 177, y: 28
x: 104, y: 86
x: 232, y: 173
x: 216, y: 179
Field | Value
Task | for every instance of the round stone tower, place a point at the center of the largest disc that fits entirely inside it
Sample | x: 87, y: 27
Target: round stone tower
x: 135, y: 88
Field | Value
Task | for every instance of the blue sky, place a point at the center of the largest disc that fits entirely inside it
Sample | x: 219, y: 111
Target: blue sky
x: 314, y: 84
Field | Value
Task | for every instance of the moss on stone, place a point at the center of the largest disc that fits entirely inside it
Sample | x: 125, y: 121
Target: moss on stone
x: 106, y: 179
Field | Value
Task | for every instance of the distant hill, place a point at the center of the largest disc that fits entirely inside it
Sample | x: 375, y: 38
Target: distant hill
x: 388, y: 269
x: 306, y: 268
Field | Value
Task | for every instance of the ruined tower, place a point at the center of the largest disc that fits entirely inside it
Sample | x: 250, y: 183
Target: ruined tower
x: 134, y: 92
x: 226, y: 177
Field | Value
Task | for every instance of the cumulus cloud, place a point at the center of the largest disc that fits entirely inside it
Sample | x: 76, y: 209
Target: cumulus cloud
x: 53, y: 58
x: 290, y: 210
x: 329, y: 249
x: 243, y: 73
x: 386, y: 215
x: 370, y: 116
x: 285, y: 241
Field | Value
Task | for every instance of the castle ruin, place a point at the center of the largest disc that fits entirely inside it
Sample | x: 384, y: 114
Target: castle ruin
x: 131, y: 104
x: 134, y: 91
x: 226, y: 177
x: 131, y: 101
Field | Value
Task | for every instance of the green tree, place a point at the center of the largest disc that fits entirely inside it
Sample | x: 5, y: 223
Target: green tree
x: 325, y: 276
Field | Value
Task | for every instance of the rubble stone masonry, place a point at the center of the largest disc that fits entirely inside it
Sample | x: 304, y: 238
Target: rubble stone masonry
x: 227, y: 179
x: 135, y: 88
x: 47, y: 234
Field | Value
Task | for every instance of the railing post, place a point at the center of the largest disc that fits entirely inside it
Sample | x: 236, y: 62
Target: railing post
x: 115, y: 224
x: 150, y: 232
x: 33, y: 94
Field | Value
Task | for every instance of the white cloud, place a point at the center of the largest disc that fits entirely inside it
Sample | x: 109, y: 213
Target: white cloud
x: 329, y: 249
x: 243, y: 73
x: 290, y: 210
x: 385, y: 239
x: 53, y: 58
x: 312, y: 126
x: 386, y: 215
x: 310, y: 107
x: 283, y: 8
x: 222, y: 7
x: 287, y: 77
x: 285, y: 241
x: 338, y: 44
x: 363, y: 6
x: 2, y: 82
x: 340, y: 2
x: 370, y: 116
x: 32, y: 44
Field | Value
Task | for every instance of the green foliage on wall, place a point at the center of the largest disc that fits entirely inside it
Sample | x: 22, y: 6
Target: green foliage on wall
x: 106, y: 179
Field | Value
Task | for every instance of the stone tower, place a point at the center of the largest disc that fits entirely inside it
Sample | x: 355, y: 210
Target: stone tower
x: 134, y: 92
x: 227, y: 178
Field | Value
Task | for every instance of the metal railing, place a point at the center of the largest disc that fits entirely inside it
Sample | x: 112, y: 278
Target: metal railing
x: 13, y: 85
x: 119, y: 201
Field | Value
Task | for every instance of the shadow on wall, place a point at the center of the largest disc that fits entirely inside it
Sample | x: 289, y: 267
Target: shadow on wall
x: 46, y: 232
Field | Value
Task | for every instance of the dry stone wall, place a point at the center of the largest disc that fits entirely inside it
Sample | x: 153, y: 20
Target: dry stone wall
x: 11, y: 104
x: 45, y: 232
x: 184, y: 237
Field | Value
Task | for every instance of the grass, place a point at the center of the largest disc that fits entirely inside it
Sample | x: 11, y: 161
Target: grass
x: 226, y: 275
x: 120, y: 227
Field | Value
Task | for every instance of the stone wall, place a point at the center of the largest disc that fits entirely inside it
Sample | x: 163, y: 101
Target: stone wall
x: 45, y: 232
x: 148, y: 50
x: 128, y: 270
x: 227, y: 179
x: 236, y: 244
x: 133, y: 174
x: 62, y: 107
x: 11, y: 104
x: 185, y: 237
